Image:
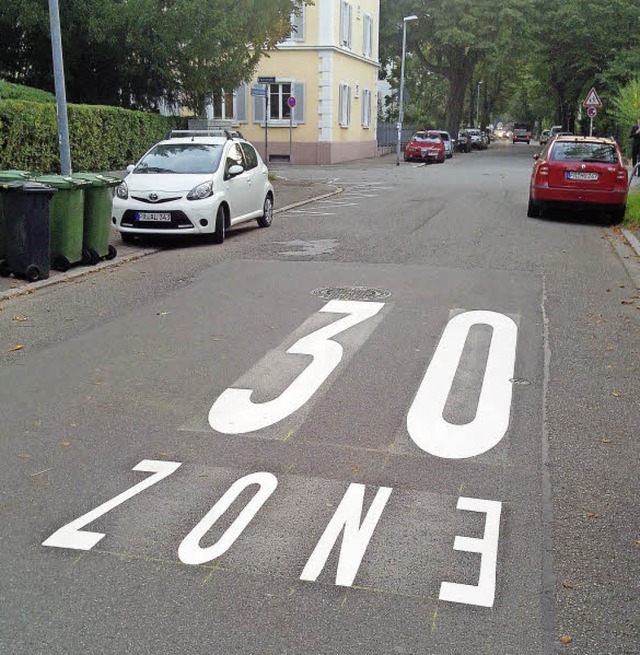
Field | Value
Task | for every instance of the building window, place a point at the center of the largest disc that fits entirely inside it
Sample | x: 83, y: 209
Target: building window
x: 297, y: 23
x: 344, y: 101
x: 345, y: 23
x: 278, y: 96
x: 367, y: 35
x: 223, y: 106
x: 366, y: 108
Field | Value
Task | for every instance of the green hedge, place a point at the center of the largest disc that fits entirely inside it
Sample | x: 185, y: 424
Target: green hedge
x: 101, y: 138
x: 9, y: 91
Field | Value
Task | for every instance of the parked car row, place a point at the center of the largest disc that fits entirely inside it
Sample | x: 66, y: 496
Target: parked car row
x: 429, y: 146
x: 472, y: 138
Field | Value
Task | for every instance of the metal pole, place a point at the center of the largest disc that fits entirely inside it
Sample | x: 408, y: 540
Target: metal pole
x: 61, y: 97
x: 400, y: 109
x: 590, y: 125
x: 290, y: 133
x: 266, y: 123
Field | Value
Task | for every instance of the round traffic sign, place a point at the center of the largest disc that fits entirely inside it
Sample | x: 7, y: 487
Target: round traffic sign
x: 291, y: 101
x: 591, y: 112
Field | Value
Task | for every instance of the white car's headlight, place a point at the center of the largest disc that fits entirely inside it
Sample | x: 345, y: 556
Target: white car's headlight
x: 203, y: 190
x: 122, y: 191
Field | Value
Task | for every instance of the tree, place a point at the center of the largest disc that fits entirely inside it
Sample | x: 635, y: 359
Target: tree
x: 135, y: 53
x: 452, y: 37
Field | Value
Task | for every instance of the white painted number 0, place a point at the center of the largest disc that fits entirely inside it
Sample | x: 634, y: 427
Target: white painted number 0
x: 425, y: 423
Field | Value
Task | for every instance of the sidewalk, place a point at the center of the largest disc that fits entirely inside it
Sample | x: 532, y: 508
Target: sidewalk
x: 288, y: 193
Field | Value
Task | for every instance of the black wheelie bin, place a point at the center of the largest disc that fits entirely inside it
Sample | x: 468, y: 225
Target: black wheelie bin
x: 9, y: 176
x: 26, y: 212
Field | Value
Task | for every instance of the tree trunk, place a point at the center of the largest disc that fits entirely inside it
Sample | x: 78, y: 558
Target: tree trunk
x: 459, y: 78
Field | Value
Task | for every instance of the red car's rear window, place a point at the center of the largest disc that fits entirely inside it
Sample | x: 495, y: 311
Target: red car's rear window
x: 584, y: 152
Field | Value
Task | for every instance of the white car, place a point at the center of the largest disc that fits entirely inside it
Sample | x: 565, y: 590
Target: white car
x: 448, y: 143
x: 194, y: 183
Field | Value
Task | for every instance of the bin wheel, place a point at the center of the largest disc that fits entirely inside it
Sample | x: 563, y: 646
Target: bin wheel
x: 5, y: 271
x: 86, y: 257
x: 111, y: 252
x: 94, y: 257
x: 32, y: 273
x: 60, y: 263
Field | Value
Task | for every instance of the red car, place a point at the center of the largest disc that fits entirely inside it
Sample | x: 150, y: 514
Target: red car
x: 425, y: 146
x: 575, y: 172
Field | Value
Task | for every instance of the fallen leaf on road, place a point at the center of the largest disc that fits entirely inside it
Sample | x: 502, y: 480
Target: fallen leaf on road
x: 606, y: 440
x: 23, y: 456
x: 591, y: 515
x: 615, y: 393
x: 355, y: 469
x: 14, y: 348
x: 21, y: 319
x: 566, y: 639
x: 65, y: 443
x: 567, y: 584
x: 610, y: 346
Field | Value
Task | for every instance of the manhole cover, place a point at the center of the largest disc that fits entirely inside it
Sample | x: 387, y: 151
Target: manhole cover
x: 351, y: 293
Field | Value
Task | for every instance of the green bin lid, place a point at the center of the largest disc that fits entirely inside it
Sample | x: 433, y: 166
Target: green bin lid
x: 61, y: 181
x: 27, y: 186
x: 98, y: 179
x: 11, y: 176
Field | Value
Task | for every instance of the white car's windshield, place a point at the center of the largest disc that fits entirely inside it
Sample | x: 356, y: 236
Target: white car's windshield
x: 181, y: 158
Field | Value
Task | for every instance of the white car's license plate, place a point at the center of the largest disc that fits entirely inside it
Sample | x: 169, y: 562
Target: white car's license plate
x: 578, y: 175
x: 158, y: 217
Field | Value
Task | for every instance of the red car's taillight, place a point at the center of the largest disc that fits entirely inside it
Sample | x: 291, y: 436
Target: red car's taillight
x: 622, y: 179
x: 542, y: 175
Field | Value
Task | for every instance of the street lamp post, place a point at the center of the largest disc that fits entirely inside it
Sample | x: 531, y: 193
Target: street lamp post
x: 405, y: 20
x: 478, y: 104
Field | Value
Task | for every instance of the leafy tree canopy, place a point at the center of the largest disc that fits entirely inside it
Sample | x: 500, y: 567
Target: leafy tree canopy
x: 134, y: 53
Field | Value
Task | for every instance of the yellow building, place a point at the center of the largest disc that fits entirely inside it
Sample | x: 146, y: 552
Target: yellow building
x: 329, y: 65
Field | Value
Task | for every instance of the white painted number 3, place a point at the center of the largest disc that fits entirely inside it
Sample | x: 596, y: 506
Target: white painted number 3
x: 235, y: 413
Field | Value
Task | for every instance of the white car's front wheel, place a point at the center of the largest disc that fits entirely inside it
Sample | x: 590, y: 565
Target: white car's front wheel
x: 218, y: 235
x: 267, y: 212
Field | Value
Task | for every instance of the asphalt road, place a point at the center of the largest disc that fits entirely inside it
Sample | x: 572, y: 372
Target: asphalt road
x: 401, y: 420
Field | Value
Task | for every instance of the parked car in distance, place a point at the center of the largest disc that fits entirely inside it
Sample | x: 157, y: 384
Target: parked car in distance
x: 425, y: 145
x: 194, y: 182
x: 579, y: 173
x: 544, y: 137
x: 463, y: 142
x: 448, y: 143
x: 500, y: 132
x: 476, y: 138
x: 521, y: 132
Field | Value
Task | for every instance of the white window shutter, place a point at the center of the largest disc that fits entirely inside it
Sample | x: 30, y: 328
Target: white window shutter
x: 298, y: 110
x: 241, y: 104
x: 258, y: 109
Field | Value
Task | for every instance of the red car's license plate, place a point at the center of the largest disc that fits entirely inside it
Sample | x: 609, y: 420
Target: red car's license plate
x: 578, y: 175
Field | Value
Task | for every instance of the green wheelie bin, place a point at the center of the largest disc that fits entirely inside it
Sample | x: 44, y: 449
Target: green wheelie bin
x: 66, y: 216
x: 97, y: 215
x: 9, y: 176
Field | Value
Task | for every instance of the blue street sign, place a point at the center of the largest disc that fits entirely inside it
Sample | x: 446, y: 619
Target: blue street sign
x: 258, y: 91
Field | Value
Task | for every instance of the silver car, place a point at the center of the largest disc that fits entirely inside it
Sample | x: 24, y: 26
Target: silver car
x: 448, y: 143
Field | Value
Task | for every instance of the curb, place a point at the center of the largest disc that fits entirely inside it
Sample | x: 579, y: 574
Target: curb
x: 78, y: 273
x: 633, y: 240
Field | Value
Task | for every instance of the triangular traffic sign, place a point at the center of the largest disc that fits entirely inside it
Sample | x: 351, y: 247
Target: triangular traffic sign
x: 592, y: 99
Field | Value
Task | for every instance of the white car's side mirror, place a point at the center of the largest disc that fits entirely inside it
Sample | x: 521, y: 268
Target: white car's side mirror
x: 130, y: 168
x: 234, y: 170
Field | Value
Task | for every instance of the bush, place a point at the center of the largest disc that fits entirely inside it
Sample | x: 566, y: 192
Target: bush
x: 9, y: 91
x: 627, y: 109
x: 632, y: 215
x: 101, y: 138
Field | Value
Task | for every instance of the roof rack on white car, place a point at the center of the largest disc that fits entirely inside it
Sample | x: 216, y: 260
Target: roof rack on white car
x: 229, y: 134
